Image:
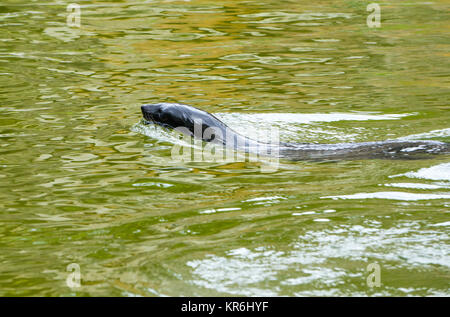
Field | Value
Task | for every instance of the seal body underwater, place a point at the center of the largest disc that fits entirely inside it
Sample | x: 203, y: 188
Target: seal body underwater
x: 203, y: 125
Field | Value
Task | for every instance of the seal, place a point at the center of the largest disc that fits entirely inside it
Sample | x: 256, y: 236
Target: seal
x: 196, y: 123
x: 202, y: 125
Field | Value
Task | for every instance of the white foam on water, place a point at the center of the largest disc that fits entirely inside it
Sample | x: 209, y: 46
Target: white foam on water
x: 442, y: 224
x: 153, y: 184
x: 427, y: 135
x: 311, y: 260
x: 392, y: 196
x: 260, y: 126
x: 159, y: 133
x: 437, y: 172
x: 440, y: 172
x: 212, y: 211
x: 418, y: 185
x: 264, y: 198
x: 281, y: 17
x: 304, y: 213
x: 306, y: 118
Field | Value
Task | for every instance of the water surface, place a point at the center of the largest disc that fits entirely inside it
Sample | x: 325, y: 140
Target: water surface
x: 83, y: 181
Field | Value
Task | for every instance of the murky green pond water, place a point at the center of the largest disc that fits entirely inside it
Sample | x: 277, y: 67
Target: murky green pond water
x: 82, y: 181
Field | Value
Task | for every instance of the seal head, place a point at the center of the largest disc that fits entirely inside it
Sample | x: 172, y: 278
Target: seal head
x: 166, y: 114
x: 186, y: 119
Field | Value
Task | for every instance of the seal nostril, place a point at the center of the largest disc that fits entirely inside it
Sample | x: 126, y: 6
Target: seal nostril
x: 143, y: 109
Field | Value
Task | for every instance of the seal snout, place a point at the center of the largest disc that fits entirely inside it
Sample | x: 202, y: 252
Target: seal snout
x: 146, y: 108
x: 147, y: 111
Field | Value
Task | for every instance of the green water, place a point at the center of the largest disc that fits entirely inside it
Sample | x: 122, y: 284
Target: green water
x: 81, y: 181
